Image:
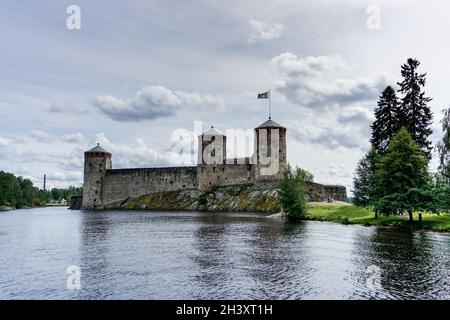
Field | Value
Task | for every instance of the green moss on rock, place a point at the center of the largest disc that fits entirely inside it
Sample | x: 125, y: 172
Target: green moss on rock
x: 232, y: 198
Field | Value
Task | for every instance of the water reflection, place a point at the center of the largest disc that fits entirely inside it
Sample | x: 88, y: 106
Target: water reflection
x: 95, y: 228
x: 213, y: 256
x: 249, y: 260
x: 280, y: 270
x: 191, y: 255
x: 413, y: 265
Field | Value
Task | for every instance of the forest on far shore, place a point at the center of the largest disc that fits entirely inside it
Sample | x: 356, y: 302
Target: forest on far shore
x: 17, y: 192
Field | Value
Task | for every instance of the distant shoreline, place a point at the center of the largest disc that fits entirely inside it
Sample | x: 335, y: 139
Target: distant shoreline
x: 55, y: 205
x: 8, y: 208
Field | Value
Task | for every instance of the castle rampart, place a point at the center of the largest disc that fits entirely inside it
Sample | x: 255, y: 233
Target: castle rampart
x: 129, y: 183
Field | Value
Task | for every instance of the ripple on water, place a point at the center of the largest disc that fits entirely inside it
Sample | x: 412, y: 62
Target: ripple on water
x: 196, y: 255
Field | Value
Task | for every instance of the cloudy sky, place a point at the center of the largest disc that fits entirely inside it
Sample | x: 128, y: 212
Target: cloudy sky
x: 138, y: 70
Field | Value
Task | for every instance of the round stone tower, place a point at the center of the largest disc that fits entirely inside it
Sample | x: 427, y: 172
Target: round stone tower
x: 96, y: 161
x: 212, y: 147
x: 270, y: 151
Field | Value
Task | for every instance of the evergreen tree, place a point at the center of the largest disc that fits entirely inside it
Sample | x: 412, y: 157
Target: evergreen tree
x: 403, y: 177
x: 443, y: 147
x: 441, y: 194
x: 414, y: 113
x: 364, y: 185
x: 293, y: 192
x: 10, y: 191
x: 386, y: 123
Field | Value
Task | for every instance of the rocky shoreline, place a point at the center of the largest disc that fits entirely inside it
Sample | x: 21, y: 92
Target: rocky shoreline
x: 232, y: 198
x: 244, y: 197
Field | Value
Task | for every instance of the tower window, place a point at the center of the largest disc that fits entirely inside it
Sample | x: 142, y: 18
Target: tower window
x: 97, y: 181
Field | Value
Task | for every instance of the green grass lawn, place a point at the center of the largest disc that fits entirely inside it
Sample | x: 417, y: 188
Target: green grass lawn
x: 349, y: 214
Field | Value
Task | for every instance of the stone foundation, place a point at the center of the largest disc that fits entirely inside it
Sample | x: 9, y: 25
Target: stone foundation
x: 245, y: 197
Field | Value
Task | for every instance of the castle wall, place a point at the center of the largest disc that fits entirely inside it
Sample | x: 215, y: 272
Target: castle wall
x: 320, y: 192
x: 336, y: 192
x: 225, y: 175
x: 120, y: 184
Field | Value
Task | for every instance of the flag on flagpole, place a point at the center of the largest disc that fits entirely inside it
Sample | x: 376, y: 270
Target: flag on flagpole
x: 264, y: 95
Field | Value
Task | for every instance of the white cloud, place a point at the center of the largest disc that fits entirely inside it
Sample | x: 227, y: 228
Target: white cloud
x: 334, y: 170
x: 337, y: 110
x: 73, y: 137
x: 152, y: 102
x: 200, y: 101
x: 67, y: 176
x: 3, y: 142
x: 290, y: 64
x: 311, y: 82
x: 326, y: 133
x: 263, y: 31
x: 356, y: 115
x: 133, y: 155
x: 41, y: 136
x: 67, y: 107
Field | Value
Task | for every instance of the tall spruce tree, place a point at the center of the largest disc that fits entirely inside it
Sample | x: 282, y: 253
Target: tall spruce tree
x: 403, y: 177
x: 386, y: 123
x: 415, y: 114
x: 364, y: 185
x: 443, y: 147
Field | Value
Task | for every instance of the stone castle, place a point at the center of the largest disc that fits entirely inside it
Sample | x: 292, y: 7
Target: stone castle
x: 104, y: 186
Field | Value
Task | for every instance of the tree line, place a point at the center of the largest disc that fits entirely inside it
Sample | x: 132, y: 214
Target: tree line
x: 394, y: 177
x: 18, y: 192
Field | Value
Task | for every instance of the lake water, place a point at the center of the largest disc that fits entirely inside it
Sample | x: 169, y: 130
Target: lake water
x: 199, y: 255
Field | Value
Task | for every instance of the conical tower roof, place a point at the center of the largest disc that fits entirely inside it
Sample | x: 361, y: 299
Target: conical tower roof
x: 212, y: 132
x: 270, y: 124
x: 98, y: 149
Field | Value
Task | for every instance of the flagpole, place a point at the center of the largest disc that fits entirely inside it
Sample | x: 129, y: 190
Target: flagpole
x: 270, y: 117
